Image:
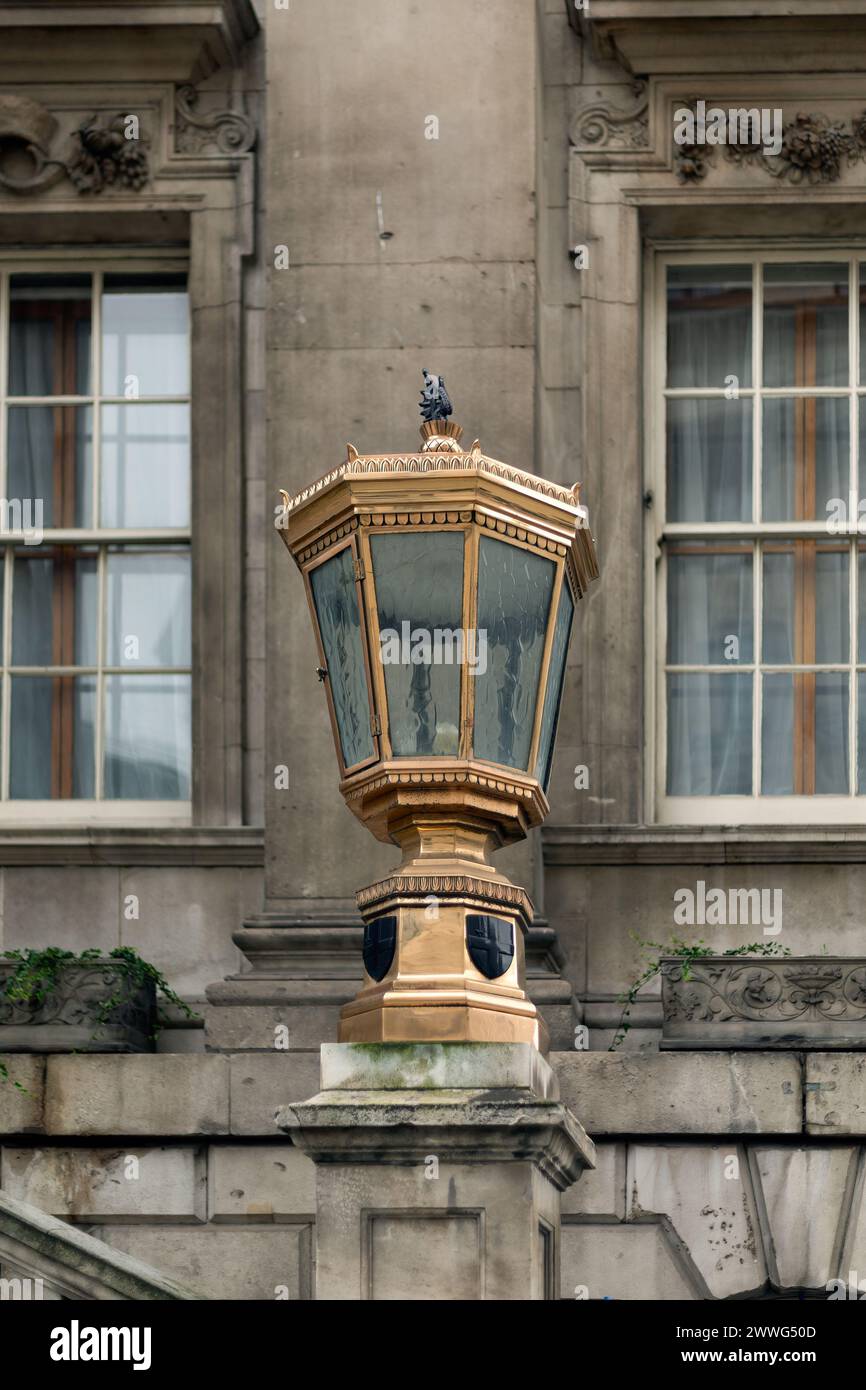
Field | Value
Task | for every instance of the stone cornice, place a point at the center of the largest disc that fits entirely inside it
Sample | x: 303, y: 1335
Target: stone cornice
x: 174, y: 40
x: 236, y: 847
x: 675, y: 36
x: 362, y: 1126
x: 664, y: 844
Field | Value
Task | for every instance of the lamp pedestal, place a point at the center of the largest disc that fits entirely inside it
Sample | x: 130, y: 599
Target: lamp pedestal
x: 444, y: 935
x: 439, y: 1169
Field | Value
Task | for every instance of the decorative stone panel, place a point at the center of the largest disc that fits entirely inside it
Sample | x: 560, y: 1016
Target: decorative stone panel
x: 764, y: 1002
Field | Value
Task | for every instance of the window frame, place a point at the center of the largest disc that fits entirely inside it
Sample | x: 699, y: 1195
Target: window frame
x: 757, y: 809
x: 96, y: 262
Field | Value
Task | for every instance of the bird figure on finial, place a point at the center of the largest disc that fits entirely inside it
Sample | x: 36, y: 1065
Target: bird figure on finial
x: 435, y: 403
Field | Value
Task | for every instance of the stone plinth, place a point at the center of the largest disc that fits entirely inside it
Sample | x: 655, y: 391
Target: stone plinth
x: 439, y: 1169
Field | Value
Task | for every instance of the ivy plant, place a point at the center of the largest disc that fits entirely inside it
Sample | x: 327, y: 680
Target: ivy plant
x: 686, y: 952
x: 37, y: 975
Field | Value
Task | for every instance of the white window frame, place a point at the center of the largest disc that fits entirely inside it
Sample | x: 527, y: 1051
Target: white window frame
x: 77, y: 812
x: 724, y: 810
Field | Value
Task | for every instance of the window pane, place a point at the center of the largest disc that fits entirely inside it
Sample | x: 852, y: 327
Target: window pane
x: 51, y: 464
x: 419, y: 582
x: 832, y: 628
x: 805, y: 458
x: 555, y: 681
x: 336, y: 598
x: 709, y: 453
x: 710, y: 615
x: 145, y: 336
x: 805, y: 734
x: 861, y: 602
x: 148, y: 735
x: 148, y: 608
x: 861, y: 732
x: 709, y: 735
x: 514, y: 592
x: 831, y: 734
x: 49, y: 335
x: 52, y: 737
x: 54, y: 604
x: 709, y: 325
x: 805, y: 604
x: 777, y: 736
x: 806, y: 325
x: 145, y: 465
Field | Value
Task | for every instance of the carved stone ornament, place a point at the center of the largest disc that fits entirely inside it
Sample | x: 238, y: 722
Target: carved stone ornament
x: 815, y: 149
x: 107, y: 155
x: 601, y: 126
x: 91, y: 1007
x: 230, y: 132
x: 106, y: 150
x: 758, y: 1001
x: 27, y: 131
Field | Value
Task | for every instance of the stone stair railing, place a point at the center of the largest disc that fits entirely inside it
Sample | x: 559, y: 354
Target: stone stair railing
x: 42, y: 1257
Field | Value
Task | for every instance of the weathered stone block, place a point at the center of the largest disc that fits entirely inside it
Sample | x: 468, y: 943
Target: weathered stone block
x: 253, y: 1027
x: 156, y: 1095
x: 682, y: 1093
x: 623, y: 1261
x: 21, y: 1112
x: 261, y: 1082
x: 133, y: 1183
x: 704, y: 1192
x: 265, y: 1182
x: 835, y: 1085
x: 599, y: 1191
x: 435, y: 1066
x: 231, y: 1262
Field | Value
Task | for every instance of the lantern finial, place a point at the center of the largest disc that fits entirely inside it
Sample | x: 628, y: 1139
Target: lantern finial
x: 435, y: 403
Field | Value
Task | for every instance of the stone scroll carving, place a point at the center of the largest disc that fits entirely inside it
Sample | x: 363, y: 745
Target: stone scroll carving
x: 601, y: 126
x: 229, y: 132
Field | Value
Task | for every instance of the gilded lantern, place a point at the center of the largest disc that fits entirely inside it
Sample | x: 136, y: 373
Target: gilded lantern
x: 442, y: 586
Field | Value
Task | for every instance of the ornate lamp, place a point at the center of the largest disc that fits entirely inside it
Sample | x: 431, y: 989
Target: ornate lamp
x: 442, y: 588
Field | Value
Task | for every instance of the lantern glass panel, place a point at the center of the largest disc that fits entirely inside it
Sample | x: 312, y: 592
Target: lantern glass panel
x: 419, y: 596
x: 514, y: 593
x: 555, y: 677
x: 336, y: 598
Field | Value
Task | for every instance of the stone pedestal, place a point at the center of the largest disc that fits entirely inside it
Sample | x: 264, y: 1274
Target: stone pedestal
x: 439, y: 1169
x: 300, y: 972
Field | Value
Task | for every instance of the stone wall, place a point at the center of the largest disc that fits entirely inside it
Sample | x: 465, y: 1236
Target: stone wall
x: 717, y: 1174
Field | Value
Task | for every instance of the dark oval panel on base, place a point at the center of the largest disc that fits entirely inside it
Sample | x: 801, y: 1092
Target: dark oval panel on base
x: 380, y: 940
x: 490, y: 942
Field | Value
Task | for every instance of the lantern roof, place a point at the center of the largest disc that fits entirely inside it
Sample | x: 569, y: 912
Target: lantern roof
x: 442, y: 482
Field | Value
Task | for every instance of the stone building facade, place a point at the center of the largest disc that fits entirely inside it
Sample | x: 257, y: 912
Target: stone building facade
x: 334, y: 196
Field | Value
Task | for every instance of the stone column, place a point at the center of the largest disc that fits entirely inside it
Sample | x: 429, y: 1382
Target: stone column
x: 439, y: 1168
